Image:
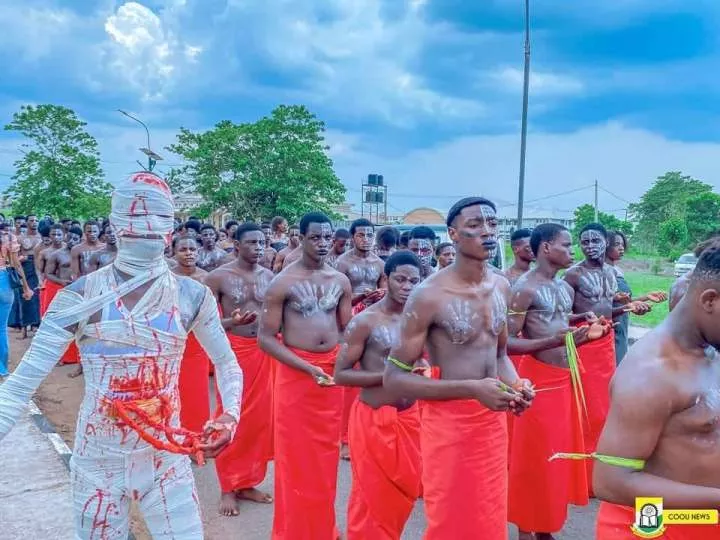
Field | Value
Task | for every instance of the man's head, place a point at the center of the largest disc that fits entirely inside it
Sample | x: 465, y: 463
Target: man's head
x: 267, y: 231
x: 91, y: 230
x: 404, y: 240
x: 472, y: 225
x: 20, y: 222
x: 520, y: 244
x: 66, y: 224
x: 616, y: 246
x: 709, y: 239
x: 551, y: 243
x: 250, y: 242
x: 403, y: 271
x: 74, y: 236
x: 445, y: 254
x: 44, y: 231
x: 110, y: 236
x: 192, y: 227
x: 279, y: 225
x: 421, y: 243
x: 294, y: 236
x: 704, y: 293
x: 208, y: 236
x: 340, y: 240
x: 593, y: 241
x: 386, y: 241
x: 32, y: 223
x: 186, y: 251
x: 363, y: 234
x: 57, y: 235
x: 316, y: 235
x: 231, y: 226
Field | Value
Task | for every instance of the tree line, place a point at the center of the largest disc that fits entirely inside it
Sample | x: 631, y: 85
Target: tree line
x: 277, y: 165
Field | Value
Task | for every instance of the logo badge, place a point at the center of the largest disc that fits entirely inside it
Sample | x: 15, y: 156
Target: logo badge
x: 648, y: 517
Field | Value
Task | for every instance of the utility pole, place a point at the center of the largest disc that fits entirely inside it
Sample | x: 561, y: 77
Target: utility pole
x: 153, y: 158
x: 523, y: 135
x: 596, y: 201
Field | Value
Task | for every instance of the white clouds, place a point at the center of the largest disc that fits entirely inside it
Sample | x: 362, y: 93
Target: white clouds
x: 144, y: 51
x: 541, y: 83
x: 34, y: 31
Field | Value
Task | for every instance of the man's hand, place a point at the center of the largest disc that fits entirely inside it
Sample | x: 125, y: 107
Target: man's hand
x: 656, y: 296
x: 320, y: 377
x: 526, y: 394
x: 581, y: 335
x: 373, y: 296
x: 240, y: 318
x: 27, y: 293
x: 494, y: 394
x: 622, y: 298
x: 638, y: 308
x: 217, y: 435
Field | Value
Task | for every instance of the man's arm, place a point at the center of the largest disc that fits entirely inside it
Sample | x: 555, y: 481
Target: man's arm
x: 51, y: 269
x: 351, y: 352
x: 278, y: 263
x: 344, y: 309
x: 641, y: 405
x: 74, y: 263
x: 214, y: 281
x: 520, y: 303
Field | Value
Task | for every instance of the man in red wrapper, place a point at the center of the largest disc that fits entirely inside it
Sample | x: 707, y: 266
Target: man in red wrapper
x: 541, y: 312
x: 311, y: 302
x: 240, y: 287
x: 595, y: 286
x: 663, y: 418
x: 460, y: 315
x: 384, y: 431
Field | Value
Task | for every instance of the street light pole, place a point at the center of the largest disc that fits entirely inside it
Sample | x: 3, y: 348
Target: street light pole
x: 523, y: 136
x: 152, y: 156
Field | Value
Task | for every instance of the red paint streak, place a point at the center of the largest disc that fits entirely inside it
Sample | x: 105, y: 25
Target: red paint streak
x: 135, y: 495
x: 152, y: 180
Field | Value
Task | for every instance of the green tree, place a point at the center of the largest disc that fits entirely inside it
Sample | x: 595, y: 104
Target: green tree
x: 673, y: 237
x: 667, y: 199
x: 703, y: 217
x: 275, y: 166
x: 585, y: 214
x: 59, y: 173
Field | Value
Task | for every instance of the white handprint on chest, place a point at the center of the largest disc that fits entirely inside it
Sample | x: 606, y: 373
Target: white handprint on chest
x: 309, y: 298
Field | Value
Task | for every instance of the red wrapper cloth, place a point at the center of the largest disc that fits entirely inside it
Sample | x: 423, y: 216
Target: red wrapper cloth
x: 193, y: 384
x: 614, y: 523
x: 72, y: 354
x: 44, y: 303
x: 307, y: 450
x: 243, y: 464
x: 597, y: 367
x: 540, y: 490
x: 517, y: 362
x: 386, y: 468
x: 464, y: 448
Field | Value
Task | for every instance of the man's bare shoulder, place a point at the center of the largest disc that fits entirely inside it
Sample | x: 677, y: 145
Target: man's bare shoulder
x: 78, y: 248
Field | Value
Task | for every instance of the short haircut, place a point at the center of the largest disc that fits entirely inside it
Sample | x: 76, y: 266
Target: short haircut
x: 708, y: 265
x: 342, y: 234
x: 545, y: 232
x: 193, y: 224
x: 312, y: 217
x: 231, y: 223
x: 712, y: 237
x: 611, y: 238
x: 177, y: 239
x: 207, y: 226
x: 277, y: 220
x: 18, y: 218
x: 66, y: 220
x: 75, y: 230
x: 594, y: 227
x: 57, y: 227
x: 245, y: 228
x: 362, y: 222
x: 387, y: 237
x: 399, y: 258
x: 422, y: 232
x: 293, y: 226
x: 442, y: 246
x: 464, y: 203
x: 90, y: 222
x: 44, y: 230
x: 520, y: 234
x: 405, y: 239
x: 265, y: 225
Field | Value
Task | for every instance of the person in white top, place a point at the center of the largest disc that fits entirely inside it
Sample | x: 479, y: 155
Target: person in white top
x: 130, y: 321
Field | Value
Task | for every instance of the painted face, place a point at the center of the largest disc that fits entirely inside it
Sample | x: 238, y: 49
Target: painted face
x: 208, y: 237
x: 559, y: 251
x: 364, y: 238
x: 423, y: 248
x: 23, y: 229
x: 522, y: 250
x: 186, y: 250
x: 110, y: 236
x: 446, y: 256
x: 318, y: 240
x: 73, y: 240
x: 92, y: 232
x: 222, y: 236
x: 593, y: 244
x: 402, y: 281
x: 294, y: 237
x: 267, y: 231
x: 475, y: 232
x: 57, y: 236
x: 251, y: 248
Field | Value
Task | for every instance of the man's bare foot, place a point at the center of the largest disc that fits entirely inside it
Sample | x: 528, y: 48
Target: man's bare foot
x: 254, y: 495
x: 544, y: 536
x: 24, y: 333
x: 76, y: 373
x: 522, y: 535
x: 345, y: 452
x: 228, y: 505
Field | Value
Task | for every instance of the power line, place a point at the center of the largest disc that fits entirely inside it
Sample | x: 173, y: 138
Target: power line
x: 618, y: 197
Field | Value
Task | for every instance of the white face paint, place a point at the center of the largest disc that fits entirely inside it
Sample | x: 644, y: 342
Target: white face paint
x: 593, y: 244
x: 423, y: 249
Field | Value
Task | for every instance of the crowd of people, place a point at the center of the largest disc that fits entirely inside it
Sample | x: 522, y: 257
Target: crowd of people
x: 485, y: 392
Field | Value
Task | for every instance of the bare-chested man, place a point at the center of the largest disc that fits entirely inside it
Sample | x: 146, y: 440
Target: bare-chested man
x: 421, y: 243
x: 459, y: 314
x: 681, y: 284
x: 595, y: 287
x: 292, y: 251
x: 664, y: 414
x: 523, y: 255
x: 107, y: 254
x: 311, y: 302
x: 210, y: 256
x: 386, y: 241
x: 445, y: 254
x: 240, y: 287
x: 363, y: 267
x: 30, y: 309
x: 81, y: 253
x: 268, y: 259
x: 541, y: 311
x: 186, y: 253
x: 341, y: 239
x: 382, y: 427
x: 42, y: 252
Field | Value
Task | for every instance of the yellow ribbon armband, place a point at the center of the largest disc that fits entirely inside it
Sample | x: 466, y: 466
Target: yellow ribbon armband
x: 628, y: 463
x: 398, y: 363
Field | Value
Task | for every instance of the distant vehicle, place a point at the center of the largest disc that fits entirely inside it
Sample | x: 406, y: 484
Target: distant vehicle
x: 442, y: 236
x: 686, y: 263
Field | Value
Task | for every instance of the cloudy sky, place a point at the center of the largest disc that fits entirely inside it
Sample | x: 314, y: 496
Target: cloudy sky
x: 426, y: 92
